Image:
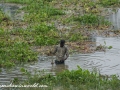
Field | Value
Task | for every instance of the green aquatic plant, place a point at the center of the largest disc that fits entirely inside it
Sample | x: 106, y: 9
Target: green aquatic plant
x: 110, y: 47
x: 18, y: 1
x: 40, y: 30
x: 22, y: 52
x: 44, y: 34
x: 2, y: 32
x: 91, y: 19
x: 40, y: 11
x: 12, y: 53
x: 87, y: 19
x: 45, y: 40
x: 75, y: 79
x: 107, y: 3
x: 90, y: 6
x: 77, y: 37
x: 103, y: 47
x: 1, y: 16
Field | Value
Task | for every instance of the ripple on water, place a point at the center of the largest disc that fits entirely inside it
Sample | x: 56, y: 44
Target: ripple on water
x: 107, y: 63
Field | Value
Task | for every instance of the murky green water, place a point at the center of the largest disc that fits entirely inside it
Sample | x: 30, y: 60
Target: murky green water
x: 106, y: 62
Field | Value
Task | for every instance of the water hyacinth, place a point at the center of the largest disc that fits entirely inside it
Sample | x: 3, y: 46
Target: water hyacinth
x: 75, y: 79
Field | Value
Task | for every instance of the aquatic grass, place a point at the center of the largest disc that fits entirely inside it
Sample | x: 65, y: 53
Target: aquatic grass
x: 37, y: 35
x: 107, y: 3
x: 77, y: 37
x: 2, y: 32
x: 90, y: 6
x: 75, y: 79
x: 5, y: 21
x: 1, y: 16
x: 24, y: 1
x: 18, y: 1
x: 14, y: 52
x: 38, y: 16
x: 30, y: 38
x: 91, y: 19
x: 87, y: 19
x: 45, y: 40
x: 42, y: 28
x: 22, y: 52
x: 40, y: 11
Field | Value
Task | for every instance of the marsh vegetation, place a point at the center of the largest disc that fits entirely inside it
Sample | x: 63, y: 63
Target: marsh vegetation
x: 45, y: 22
x: 41, y: 28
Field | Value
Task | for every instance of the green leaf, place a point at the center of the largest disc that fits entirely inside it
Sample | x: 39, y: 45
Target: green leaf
x: 110, y: 47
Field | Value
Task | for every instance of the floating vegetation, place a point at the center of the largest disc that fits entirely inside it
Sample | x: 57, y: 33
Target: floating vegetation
x: 14, y: 53
x: 107, y: 3
x: 3, y: 18
x: 103, y: 47
x: 16, y: 42
x: 90, y: 6
x: 77, y: 37
x: 39, y: 19
x: 91, y: 19
x: 42, y: 22
x: 76, y: 79
x: 19, y: 1
x: 40, y: 11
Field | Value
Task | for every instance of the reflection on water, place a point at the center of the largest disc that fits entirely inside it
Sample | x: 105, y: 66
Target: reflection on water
x: 59, y: 68
x: 114, y: 18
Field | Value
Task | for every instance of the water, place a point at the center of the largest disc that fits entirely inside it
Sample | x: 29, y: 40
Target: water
x: 11, y: 11
x: 114, y: 18
x: 105, y: 62
x: 8, y: 75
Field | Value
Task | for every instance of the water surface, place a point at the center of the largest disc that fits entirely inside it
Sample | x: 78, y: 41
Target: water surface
x: 114, y: 18
x: 11, y: 11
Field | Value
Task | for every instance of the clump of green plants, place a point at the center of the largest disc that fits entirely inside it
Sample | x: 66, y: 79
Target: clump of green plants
x: 77, y: 37
x: 18, y: 1
x: 16, y: 43
x: 15, y: 54
x: 76, y: 79
x: 22, y: 52
x: 91, y: 19
x: 40, y: 11
x: 89, y: 6
x: 4, y: 20
x: 1, y: 16
x: 103, y: 47
x: 43, y: 34
x: 109, y: 2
